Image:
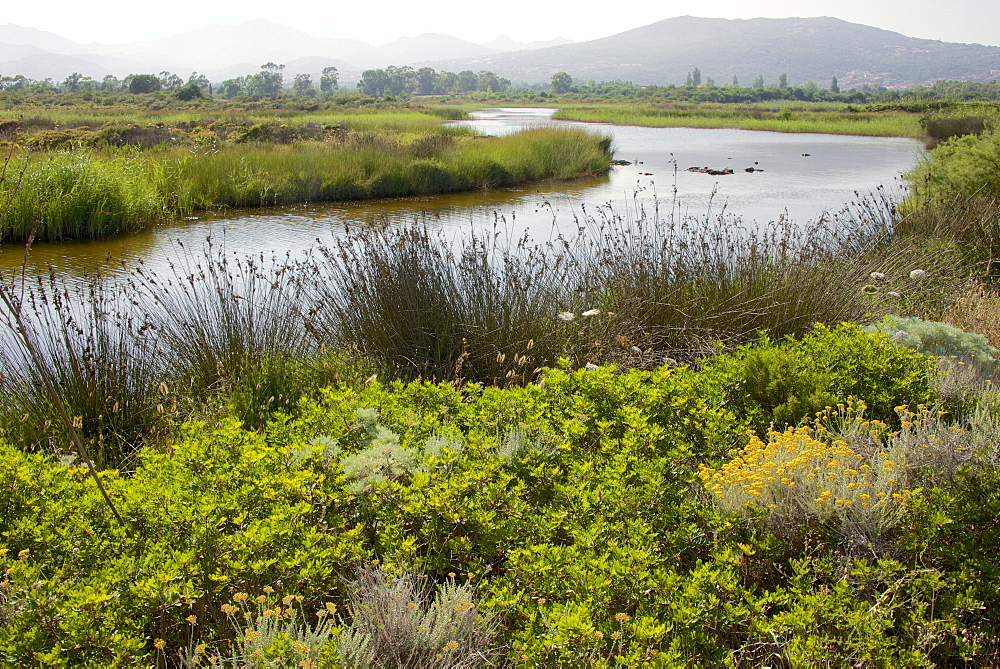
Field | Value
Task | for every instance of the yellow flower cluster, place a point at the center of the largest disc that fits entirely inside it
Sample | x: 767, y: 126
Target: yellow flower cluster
x: 795, y: 474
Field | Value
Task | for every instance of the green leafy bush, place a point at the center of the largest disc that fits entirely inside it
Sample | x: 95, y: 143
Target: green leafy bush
x: 573, y: 505
x: 965, y: 165
x: 788, y: 381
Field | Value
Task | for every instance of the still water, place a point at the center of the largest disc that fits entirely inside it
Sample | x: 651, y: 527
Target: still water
x: 796, y: 176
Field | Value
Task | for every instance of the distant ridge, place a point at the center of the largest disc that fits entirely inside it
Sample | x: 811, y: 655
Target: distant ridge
x: 659, y: 53
x: 803, y: 48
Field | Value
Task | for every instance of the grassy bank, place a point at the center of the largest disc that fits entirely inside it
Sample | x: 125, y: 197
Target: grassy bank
x: 779, y: 116
x: 87, y: 193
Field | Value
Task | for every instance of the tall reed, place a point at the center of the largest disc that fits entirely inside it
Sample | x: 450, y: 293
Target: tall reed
x: 231, y: 325
x: 421, y: 306
x: 652, y: 285
x: 102, y: 359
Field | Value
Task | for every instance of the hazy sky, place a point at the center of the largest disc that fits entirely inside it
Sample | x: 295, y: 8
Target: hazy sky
x: 381, y: 21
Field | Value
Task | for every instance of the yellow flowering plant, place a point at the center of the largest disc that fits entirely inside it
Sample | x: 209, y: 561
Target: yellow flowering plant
x: 794, y: 477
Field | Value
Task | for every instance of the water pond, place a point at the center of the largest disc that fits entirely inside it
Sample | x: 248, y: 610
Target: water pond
x: 795, y: 176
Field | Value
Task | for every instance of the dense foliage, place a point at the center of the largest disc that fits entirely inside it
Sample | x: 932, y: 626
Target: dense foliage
x: 572, y: 506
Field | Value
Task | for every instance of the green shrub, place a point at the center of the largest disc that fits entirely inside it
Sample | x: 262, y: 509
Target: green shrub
x: 788, y: 381
x: 965, y: 165
x: 573, y: 505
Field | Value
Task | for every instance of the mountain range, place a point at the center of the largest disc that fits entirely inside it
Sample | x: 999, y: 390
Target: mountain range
x: 803, y: 48
x: 659, y: 53
x: 224, y: 51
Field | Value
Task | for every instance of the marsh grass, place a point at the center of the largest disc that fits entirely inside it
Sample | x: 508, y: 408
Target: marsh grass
x: 80, y: 195
x: 775, y: 117
x: 88, y: 193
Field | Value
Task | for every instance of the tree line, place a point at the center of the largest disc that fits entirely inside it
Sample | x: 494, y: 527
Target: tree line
x: 402, y: 81
x: 426, y: 81
x: 699, y: 89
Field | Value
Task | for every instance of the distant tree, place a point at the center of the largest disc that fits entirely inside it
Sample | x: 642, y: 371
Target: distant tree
x: 426, y: 79
x: 561, y: 83
x: 18, y: 82
x: 328, y: 80
x: 834, y: 86
x: 201, y: 81
x: 109, y: 84
x: 302, y: 85
x: 170, y: 82
x: 268, y: 82
x: 710, y: 82
x: 446, y: 82
x: 736, y: 81
x: 696, y: 77
x: 138, y: 84
x: 689, y: 80
x: 468, y: 81
x: 373, y: 82
x: 759, y: 81
x: 189, y: 91
x: 400, y: 79
x: 783, y: 81
x: 487, y: 81
x: 71, y: 84
x: 230, y: 88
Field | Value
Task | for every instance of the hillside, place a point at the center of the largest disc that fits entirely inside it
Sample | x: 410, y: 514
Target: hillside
x: 803, y: 48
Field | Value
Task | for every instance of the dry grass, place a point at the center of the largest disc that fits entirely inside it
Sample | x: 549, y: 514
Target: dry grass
x: 976, y: 308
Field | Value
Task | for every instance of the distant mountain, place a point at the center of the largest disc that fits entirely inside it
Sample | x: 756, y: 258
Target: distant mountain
x: 216, y: 51
x: 407, y: 50
x: 11, y: 34
x: 809, y: 48
x: 660, y: 53
x: 505, y: 43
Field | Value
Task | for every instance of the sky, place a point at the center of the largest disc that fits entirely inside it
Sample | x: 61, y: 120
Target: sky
x: 381, y: 21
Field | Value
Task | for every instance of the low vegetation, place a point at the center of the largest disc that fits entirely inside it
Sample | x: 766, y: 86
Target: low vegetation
x: 654, y: 440
x: 562, y: 522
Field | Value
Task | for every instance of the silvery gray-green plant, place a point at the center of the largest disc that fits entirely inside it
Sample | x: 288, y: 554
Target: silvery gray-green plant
x: 406, y: 621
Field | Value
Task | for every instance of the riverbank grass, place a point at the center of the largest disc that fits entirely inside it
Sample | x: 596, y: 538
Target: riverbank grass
x: 89, y: 193
x: 779, y: 117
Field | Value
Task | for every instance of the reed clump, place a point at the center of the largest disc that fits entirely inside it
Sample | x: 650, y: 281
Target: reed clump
x: 100, y: 355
